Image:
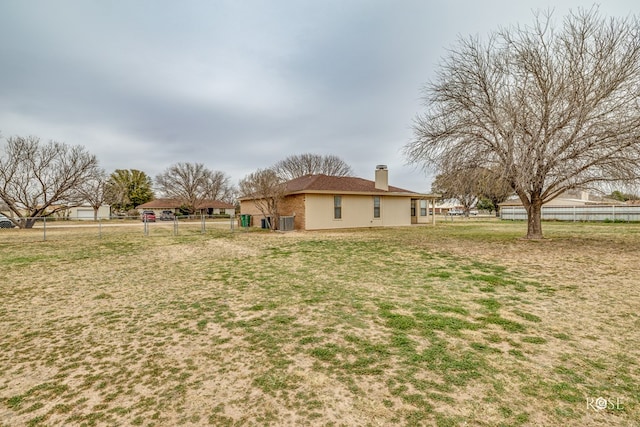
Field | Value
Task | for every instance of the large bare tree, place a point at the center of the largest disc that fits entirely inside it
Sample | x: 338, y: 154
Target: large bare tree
x: 192, y: 183
x: 266, y: 189
x: 37, y: 180
x: 298, y: 165
x: 551, y: 109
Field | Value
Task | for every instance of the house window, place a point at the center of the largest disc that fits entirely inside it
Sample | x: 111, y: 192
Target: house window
x: 222, y: 211
x: 376, y: 206
x: 337, y: 207
x: 423, y: 208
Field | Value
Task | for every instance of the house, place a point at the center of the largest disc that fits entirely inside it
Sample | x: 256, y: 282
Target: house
x: 86, y: 212
x: 321, y: 202
x: 172, y: 207
x: 80, y: 212
x: 569, y: 198
x: 575, y: 206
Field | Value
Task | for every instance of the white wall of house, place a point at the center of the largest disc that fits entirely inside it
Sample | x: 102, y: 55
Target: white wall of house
x: 357, y: 211
x: 87, y: 213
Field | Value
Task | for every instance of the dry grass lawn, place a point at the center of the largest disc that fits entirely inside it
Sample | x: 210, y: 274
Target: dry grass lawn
x: 464, y: 324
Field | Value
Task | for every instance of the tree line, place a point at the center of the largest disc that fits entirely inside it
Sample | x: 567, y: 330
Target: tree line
x: 40, y: 179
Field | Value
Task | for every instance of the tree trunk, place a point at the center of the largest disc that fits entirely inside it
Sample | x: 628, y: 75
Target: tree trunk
x: 534, y: 219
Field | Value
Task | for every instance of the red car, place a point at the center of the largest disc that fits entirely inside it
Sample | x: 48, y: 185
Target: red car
x: 148, y: 216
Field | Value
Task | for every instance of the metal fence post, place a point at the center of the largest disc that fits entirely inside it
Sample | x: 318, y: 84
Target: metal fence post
x: 100, y: 228
x: 175, y: 225
x: 202, y: 224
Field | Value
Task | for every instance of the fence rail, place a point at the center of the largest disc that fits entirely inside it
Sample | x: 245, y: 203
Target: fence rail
x: 46, y: 228
x: 576, y: 213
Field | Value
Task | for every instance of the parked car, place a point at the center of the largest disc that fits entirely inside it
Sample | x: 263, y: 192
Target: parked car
x: 6, y: 222
x: 167, y: 216
x: 148, y: 216
x: 456, y: 212
x: 473, y: 212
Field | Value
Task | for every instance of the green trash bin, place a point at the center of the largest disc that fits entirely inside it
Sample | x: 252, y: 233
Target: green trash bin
x: 245, y: 220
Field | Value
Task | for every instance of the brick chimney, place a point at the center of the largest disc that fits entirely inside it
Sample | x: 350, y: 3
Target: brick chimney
x: 382, y: 178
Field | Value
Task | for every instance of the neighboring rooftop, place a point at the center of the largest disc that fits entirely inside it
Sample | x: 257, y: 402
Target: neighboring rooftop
x: 571, y: 197
x: 175, y: 204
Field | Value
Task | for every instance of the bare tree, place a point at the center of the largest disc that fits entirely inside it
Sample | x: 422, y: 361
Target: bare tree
x: 218, y: 187
x: 192, y: 183
x: 459, y: 186
x: 493, y: 187
x: 470, y: 185
x: 127, y: 188
x: 551, y: 110
x: 93, y: 190
x: 298, y: 165
x: 37, y: 180
x: 266, y: 189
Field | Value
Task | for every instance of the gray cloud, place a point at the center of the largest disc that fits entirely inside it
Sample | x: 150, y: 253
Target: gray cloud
x: 235, y: 85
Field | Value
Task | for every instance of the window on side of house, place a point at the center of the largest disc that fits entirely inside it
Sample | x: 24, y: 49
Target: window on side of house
x: 423, y: 208
x: 376, y: 206
x: 337, y: 207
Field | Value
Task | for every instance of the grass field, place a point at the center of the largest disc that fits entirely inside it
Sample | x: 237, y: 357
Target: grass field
x: 462, y: 324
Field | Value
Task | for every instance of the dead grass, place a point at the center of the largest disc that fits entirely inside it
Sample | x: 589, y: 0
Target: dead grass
x: 461, y: 324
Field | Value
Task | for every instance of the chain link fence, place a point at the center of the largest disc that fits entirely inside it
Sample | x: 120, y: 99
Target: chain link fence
x: 48, y: 229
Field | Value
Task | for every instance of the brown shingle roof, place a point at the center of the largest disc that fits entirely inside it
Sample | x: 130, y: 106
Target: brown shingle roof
x: 175, y: 203
x: 336, y: 183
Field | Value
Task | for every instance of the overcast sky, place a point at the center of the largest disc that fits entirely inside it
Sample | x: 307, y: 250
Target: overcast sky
x: 239, y: 84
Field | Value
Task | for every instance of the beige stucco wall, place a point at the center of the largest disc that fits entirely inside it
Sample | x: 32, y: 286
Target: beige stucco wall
x: 357, y: 211
x: 104, y: 212
x: 423, y: 219
x: 315, y: 211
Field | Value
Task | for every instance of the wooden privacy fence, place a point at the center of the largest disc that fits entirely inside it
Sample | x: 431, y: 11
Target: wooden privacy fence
x: 576, y: 213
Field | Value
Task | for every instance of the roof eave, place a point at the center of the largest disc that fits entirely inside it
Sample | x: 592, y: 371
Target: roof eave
x: 366, y: 193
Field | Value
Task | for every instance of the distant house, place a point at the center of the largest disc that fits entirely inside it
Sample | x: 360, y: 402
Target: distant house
x: 86, y: 212
x: 81, y: 212
x: 575, y: 206
x: 570, y: 198
x: 172, y: 206
x: 321, y: 202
